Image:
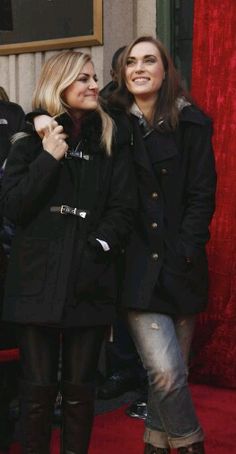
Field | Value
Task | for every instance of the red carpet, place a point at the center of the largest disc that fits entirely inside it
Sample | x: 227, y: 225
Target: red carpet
x: 116, y: 433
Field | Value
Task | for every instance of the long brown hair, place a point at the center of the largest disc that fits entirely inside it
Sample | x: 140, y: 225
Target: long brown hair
x: 166, y: 112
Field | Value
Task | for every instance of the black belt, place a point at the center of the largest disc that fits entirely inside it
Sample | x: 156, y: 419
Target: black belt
x: 65, y: 209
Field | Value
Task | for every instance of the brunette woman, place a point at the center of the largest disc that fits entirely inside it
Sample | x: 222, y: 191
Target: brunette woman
x: 70, y: 194
x: 165, y: 281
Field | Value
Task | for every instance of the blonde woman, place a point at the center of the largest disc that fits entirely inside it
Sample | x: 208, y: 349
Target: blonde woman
x: 69, y: 192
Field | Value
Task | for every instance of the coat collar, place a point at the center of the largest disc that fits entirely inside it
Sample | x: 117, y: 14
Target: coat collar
x: 181, y: 103
x: 192, y: 114
x: 139, y: 150
x: 164, y: 145
x: 144, y: 126
x: 91, y: 124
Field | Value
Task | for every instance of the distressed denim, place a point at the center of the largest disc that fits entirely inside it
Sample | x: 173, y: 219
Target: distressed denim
x: 163, y: 345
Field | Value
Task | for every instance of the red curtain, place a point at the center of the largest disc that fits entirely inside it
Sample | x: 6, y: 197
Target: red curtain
x: 214, y: 89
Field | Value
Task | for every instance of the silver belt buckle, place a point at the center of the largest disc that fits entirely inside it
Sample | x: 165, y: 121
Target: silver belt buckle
x: 64, y: 209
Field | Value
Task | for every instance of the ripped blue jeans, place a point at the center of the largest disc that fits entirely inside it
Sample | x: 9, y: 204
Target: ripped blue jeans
x: 163, y: 345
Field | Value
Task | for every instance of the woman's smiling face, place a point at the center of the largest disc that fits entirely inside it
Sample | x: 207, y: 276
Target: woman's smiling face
x: 82, y: 94
x: 144, y: 72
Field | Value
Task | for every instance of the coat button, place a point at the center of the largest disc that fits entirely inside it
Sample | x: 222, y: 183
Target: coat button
x: 154, y: 195
x: 164, y: 171
x: 155, y: 256
x: 154, y: 225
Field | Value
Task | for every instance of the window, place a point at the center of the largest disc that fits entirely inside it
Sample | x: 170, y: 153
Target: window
x: 175, y: 29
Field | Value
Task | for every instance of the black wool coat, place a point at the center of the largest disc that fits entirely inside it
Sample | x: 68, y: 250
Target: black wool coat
x: 55, y: 259
x: 166, y: 265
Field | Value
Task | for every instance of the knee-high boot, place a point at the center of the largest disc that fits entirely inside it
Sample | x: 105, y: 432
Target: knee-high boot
x: 36, y: 403
x: 77, y: 417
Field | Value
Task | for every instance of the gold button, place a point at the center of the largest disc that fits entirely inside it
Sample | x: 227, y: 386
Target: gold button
x: 164, y: 171
x: 155, y: 256
x: 154, y: 195
x: 154, y: 225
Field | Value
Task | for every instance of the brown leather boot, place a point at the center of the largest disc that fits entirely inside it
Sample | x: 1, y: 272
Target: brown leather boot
x: 195, y: 448
x: 37, y: 403
x: 77, y: 417
x: 149, y: 449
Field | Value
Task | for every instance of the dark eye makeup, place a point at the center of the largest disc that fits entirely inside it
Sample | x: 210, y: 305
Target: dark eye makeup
x: 85, y: 78
x: 146, y: 59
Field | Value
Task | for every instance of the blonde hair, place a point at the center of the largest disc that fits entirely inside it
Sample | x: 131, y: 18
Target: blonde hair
x: 57, y: 74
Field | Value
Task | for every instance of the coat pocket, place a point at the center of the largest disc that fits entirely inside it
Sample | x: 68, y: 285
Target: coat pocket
x: 175, y: 262
x: 32, y: 261
x: 186, y: 276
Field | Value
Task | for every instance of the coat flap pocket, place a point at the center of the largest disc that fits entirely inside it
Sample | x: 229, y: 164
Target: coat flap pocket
x: 29, y: 266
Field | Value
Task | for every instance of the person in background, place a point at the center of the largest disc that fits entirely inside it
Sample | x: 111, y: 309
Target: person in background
x: 112, y: 85
x: 166, y: 273
x: 3, y: 95
x: 71, y: 194
x: 12, y: 120
x: 124, y: 370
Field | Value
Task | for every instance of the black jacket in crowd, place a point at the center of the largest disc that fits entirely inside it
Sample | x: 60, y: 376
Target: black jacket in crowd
x: 55, y: 260
x: 12, y: 120
x: 166, y: 265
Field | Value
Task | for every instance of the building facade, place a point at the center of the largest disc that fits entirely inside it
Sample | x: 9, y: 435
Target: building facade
x: 123, y: 20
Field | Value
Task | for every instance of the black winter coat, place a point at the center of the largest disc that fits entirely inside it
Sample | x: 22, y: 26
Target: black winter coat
x: 166, y: 264
x: 50, y: 248
x: 12, y: 120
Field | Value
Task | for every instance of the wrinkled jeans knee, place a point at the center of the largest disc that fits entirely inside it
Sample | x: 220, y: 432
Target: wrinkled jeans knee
x: 165, y: 381
x: 156, y: 341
